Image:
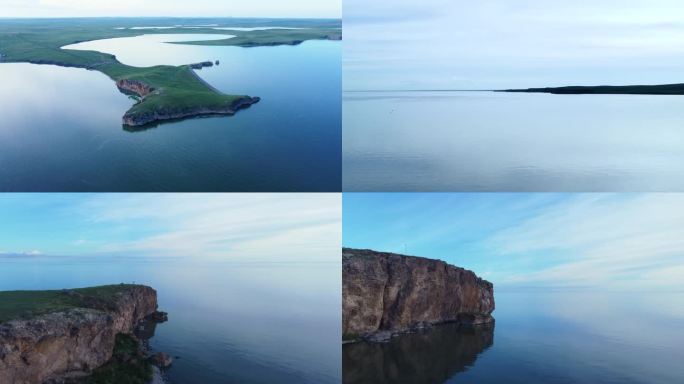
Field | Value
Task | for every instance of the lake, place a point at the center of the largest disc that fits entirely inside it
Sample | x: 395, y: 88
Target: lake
x: 487, y: 141
x: 228, y: 322
x: 61, y: 128
x: 539, y: 337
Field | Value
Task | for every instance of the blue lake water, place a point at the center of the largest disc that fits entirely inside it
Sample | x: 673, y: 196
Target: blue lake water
x: 228, y: 323
x: 539, y: 337
x: 487, y: 141
x: 61, y: 128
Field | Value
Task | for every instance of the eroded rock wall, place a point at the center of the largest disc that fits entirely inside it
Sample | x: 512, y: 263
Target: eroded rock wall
x: 134, y: 86
x: 391, y: 292
x: 71, y: 342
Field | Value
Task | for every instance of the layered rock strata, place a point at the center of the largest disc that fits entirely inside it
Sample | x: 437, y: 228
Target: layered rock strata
x: 134, y: 86
x: 72, y: 342
x: 384, y: 294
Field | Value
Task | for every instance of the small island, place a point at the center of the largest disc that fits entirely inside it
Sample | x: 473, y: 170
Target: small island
x: 163, y: 92
x: 79, y: 336
x: 664, y: 89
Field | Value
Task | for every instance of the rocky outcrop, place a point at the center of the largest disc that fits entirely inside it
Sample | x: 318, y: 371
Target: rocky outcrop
x: 201, y: 65
x: 72, y: 342
x: 133, y: 118
x: 384, y: 294
x: 134, y: 86
x: 161, y: 360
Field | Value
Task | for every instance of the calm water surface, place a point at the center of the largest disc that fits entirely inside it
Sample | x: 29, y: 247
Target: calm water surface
x: 486, y: 141
x: 539, y: 337
x: 228, y: 323
x: 61, y: 127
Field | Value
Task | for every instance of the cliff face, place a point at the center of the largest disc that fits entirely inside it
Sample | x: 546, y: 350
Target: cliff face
x: 133, y: 118
x: 395, y: 293
x: 72, y: 342
x: 133, y: 86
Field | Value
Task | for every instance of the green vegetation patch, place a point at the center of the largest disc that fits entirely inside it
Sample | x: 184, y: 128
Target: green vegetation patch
x: 127, y: 365
x: 350, y: 336
x: 272, y: 37
x: 19, y: 305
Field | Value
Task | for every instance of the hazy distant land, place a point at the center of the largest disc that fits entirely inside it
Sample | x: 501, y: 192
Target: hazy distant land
x: 664, y: 89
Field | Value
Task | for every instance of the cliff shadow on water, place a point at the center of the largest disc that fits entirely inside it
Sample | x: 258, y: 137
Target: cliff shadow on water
x: 430, y: 356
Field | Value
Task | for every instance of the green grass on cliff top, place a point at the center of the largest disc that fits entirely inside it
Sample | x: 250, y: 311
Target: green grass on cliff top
x: 39, y: 41
x: 18, y: 305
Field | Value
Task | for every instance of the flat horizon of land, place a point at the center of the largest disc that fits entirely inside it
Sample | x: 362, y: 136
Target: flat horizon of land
x: 661, y: 89
x: 172, y: 91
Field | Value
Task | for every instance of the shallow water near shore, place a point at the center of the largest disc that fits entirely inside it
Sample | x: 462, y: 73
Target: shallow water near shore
x: 61, y: 128
x: 490, y: 141
x: 539, y: 337
x: 228, y: 323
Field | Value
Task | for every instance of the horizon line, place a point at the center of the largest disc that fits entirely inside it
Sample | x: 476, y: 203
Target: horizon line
x: 172, y: 17
x: 422, y: 90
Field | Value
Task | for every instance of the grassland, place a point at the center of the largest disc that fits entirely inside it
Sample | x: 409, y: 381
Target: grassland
x: 178, y: 91
x: 18, y: 305
x: 665, y: 89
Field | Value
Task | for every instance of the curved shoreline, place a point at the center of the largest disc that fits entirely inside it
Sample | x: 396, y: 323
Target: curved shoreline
x: 194, y: 72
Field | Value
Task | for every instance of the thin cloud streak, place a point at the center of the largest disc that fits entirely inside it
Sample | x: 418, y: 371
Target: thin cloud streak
x: 233, y: 227
x: 496, y: 44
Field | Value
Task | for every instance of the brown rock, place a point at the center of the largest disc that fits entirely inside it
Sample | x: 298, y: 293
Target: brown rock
x: 384, y: 294
x: 161, y: 360
x: 71, y: 342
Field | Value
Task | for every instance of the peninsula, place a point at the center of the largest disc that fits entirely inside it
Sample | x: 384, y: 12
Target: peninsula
x: 163, y: 92
x: 664, y: 89
x: 76, y: 335
x: 385, y: 294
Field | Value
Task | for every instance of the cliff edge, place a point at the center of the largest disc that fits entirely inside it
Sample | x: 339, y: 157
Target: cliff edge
x: 55, y: 335
x: 384, y: 294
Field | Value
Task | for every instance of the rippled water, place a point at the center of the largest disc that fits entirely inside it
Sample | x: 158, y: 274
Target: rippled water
x: 61, y: 127
x: 487, y: 141
x: 228, y: 323
x: 539, y: 337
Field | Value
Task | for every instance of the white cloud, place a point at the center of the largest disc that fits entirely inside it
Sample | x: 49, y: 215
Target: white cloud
x: 264, y: 227
x: 610, y: 240
x: 500, y: 43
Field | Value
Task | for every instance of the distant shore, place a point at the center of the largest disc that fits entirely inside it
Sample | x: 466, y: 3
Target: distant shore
x: 663, y: 89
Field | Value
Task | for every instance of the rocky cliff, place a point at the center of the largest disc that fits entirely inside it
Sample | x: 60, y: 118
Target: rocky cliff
x: 135, y: 87
x: 71, y: 342
x: 386, y: 293
x: 134, y: 118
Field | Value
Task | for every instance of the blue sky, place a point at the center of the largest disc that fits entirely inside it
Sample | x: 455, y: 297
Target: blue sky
x: 611, y: 241
x: 494, y: 44
x: 179, y: 8
x: 239, y: 227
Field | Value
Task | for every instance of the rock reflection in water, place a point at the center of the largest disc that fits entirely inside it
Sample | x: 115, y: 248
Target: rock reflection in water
x: 432, y: 356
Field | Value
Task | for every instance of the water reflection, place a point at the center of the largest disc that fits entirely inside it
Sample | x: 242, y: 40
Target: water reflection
x: 487, y: 141
x: 432, y: 356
